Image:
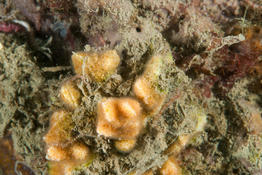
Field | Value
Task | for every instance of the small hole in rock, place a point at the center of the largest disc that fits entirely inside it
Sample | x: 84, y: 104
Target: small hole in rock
x: 138, y: 29
x: 235, y: 171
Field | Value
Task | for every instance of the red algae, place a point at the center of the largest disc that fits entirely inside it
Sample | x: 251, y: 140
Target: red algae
x: 231, y: 63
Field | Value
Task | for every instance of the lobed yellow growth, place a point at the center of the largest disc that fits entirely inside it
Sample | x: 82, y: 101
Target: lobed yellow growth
x: 157, y: 65
x: 145, y: 87
x: 79, y: 61
x: 58, y: 136
x: 62, y: 168
x: 70, y: 94
x: 179, y: 144
x: 65, y: 160
x: 65, y: 167
x: 80, y: 151
x: 60, y: 129
x: 68, y: 167
x: 98, y: 66
x: 125, y: 145
x: 77, y: 151
x: 171, y: 167
x: 56, y: 168
x: 119, y: 118
x: 145, y: 92
x: 56, y: 153
x: 153, y: 67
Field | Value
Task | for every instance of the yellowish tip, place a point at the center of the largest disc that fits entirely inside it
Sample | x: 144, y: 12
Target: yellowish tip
x: 80, y: 151
x: 179, y: 144
x: 79, y: 60
x: 119, y: 118
x: 98, y: 66
x: 59, y: 132
x: 56, y: 153
x: 171, y: 167
x: 70, y: 94
x: 109, y: 60
x: 129, y: 107
x: 145, y: 92
x: 125, y: 145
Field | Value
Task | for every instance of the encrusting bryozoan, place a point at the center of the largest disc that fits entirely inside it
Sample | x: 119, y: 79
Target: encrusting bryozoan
x: 59, y: 132
x: 125, y: 146
x: 62, y: 151
x: 56, y: 153
x: 146, y: 87
x: 97, y: 66
x: 79, y: 151
x: 63, y: 155
x: 179, y: 144
x: 170, y: 167
x: 70, y: 94
x: 147, y: 93
x: 119, y: 118
x: 65, y: 160
x: 153, y: 68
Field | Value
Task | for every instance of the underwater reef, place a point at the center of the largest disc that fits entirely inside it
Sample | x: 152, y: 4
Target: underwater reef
x: 130, y: 87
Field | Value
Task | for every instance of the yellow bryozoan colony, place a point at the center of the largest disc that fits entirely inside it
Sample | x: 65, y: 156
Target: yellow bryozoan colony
x: 146, y: 87
x: 171, y: 167
x: 63, y: 155
x: 119, y: 118
x: 74, y: 155
x: 59, y: 132
x: 125, y: 146
x: 63, y: 152
x: 70, y: 94
x: 97, y: 66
